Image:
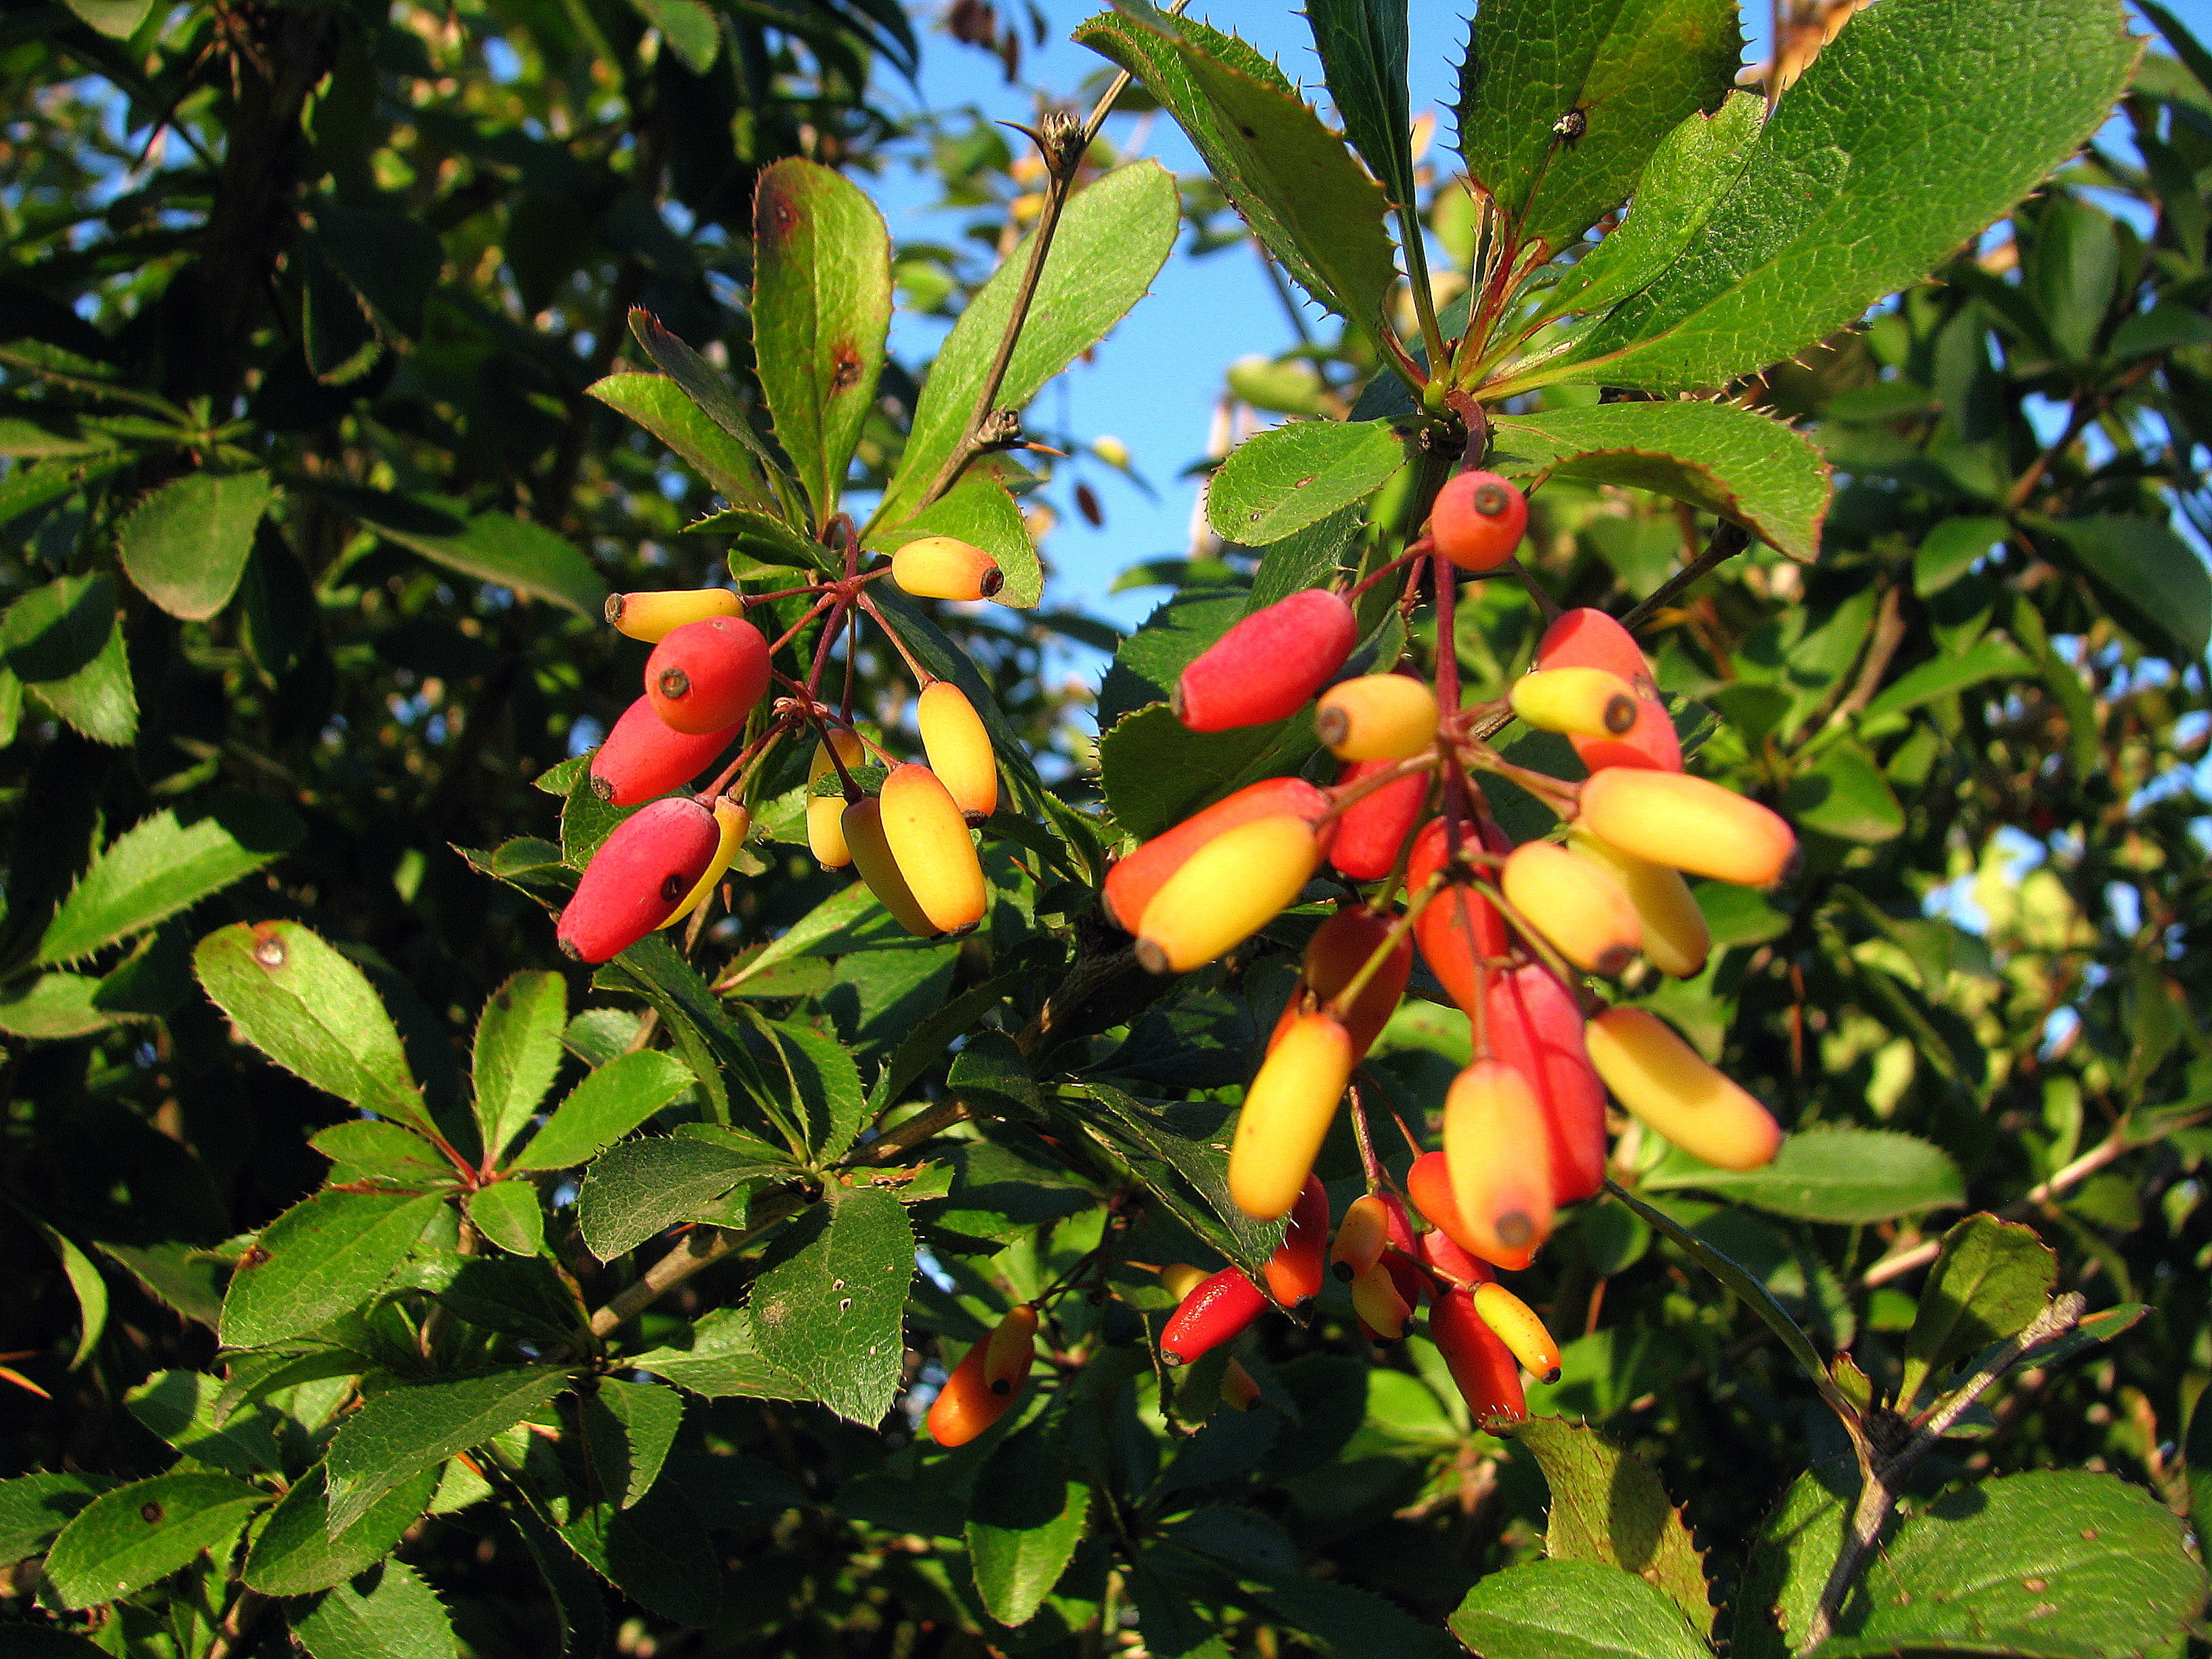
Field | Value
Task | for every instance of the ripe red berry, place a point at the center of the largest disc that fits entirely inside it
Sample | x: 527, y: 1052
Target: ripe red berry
x: 1369, y: 831
x: 1459, y: 929
x: 641, y: 873
x: 1478, y: 520
x: 1536, y: 1028
x: 707, y: 675
x: 1266, y: 666
x: 1220, y: 1308
x: 1294, y: 1271
x: 643, y: 757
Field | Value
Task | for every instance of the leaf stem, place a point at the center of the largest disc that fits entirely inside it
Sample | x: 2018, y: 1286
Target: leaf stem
x: 1728, y: 541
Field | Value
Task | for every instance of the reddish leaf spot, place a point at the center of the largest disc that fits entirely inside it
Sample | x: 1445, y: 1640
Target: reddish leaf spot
x: 150, y: 1514
x: 845, y: 370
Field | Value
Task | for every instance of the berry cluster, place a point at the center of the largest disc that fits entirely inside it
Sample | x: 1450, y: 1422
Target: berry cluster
x: 1512, y: 933
x: 704, y: 685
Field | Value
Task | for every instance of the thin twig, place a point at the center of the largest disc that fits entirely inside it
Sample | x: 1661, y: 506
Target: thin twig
x: 237, y: 1623
x: 1729, y: 540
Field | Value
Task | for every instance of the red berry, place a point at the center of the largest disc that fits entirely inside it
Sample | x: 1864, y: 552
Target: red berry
x: 1266, y: 666
x: 1294, y: 1271
x: 641, y: 873
x: 1536, y: 1027
x: 643, y: 757
x: 1459, y: 927
x: 1369, y: 831
x: 1220, y: 1308
x: 1488, y: 1374
x: 707, y: 675
x: 1478, y: 520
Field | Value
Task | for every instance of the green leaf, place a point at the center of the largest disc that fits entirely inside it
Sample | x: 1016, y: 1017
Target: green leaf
x: 708, y: 389
x: 1830, y: 1172
x: 34, y: 1507
x: 1845, y: 795
x: 126, y: 1539
x: 85, y: 1284
x: 1635, y: 69
x: 180, y: 1408
x: 822, y: 309
x: 656, y: 1553
x: 1686, y: 176
x: 118, y: 20
x: 2196, y: 1460
x: 418, y: 1425
x: 1305, y: 558
x: 825, y: 1087
x: 1789, y: 1561
x: 828, y: 1312
x: 1025, y: 1521
x: 1113, y: 237
x: 63, y: 642
x: 1157, y: 771
x: 604, y: 1106
x: 1910, y: 131
x: 363, y: 1148
x: 757, y: 538
x: 186, y: 544
x: 1746, y: 468
x: 508, y: 1212
x: 643, y: 1186
x: 1290, y: 477
x: 1362, y: 45
x: 630, y: 1426
x: 690, y: 26
x: 53, y: 1006
x: 388, y: 1612
x: 979, y: 510
x: 2050, y: 1565
x: 2152, y: 581
x: 518, y: 1051
x: 1992, y: 657
x: 161, y: 866
x: 391, y: 260
x: 1301, y: 191
x: 322, y: 1257
x: 721, y: 1356
x: 1184, y: 1164
x: 1572, y: 1610
x: 496, y: 547
x: 1607, y: 1506
x: 294, y: 1553
x: 1990, y: 1280
x: 658, y: 403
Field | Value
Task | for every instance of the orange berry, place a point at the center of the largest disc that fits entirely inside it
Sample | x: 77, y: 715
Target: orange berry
x: 1576, y: 904
x: 1265, y: 667
x: 1676, y: 940
x: 1369, y: 831
x: 1361, y: 1238
x: 1488, y: 1376
x: 861, y: 827
x: 1536, y: 1027
x: 1131, y: 883
x: 1294, y: 1271
x: 1337, y: 950
x: 1225, y: 892
x: 643, y: 757
x: 1238, y: 1391
x: 1010, y: 1351
x: 732, y: 822
x: 1514, y: 1322
x: 1591, y: 639
x: 825, y: 830
x: 1478, y: 520
x: 641, y: 873
x: 1498, y: 1153
x: 1382, y: 1309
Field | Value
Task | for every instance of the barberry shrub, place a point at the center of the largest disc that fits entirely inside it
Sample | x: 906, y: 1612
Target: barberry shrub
x: 1079, y: 1225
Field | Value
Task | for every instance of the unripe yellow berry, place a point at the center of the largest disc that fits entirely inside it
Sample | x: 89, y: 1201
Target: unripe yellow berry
x: 733, y: 823
x: 1498, y: 1149
x: 1287, y: 1112
x: 825, y: 832
x: 1514, y: 1322
x: 1575, y: 904
x: 1376, y: 717
x: 653, y: 617
x: 935, y: 852
x: 1676, y: 940
x: 1586, y: 702
x: 946, y: 567
x: 958, y: 746
x: 1671, y: 1088
x: 1687, y: 823
x: 1225, y: 892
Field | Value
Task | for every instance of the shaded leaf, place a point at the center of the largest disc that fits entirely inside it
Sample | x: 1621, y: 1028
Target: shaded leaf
x: 1830, y: 1172
x: 418, y: 1425
x: 656, y: 403
x: 1024, y: 1522
x: 159, y: 866
x: 186, y: 544
x: 294, y: 1553
x: 720, y: 1357
x: 61, y: 641
x: 388, y: 1612
x: 1990, y: 1280
x: 1362, y: 45
x: 493, y: 547
x: 642, y: 1186
x: 1607, y: 1506
x: 1572, y: 1610
x: 2152, y: 580
x: 828, y: 1312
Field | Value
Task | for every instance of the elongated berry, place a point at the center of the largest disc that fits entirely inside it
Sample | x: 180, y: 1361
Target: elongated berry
x: 1180, y: 1279
x: 1488, y: 1376
x: 1497, y: 1152
x: 1294, y: 1271
x: 1369, y: 831
x: 643, y: 757
x: 825, y: 814
x: 1669, y: 1087
x: 653, y: 617
x: 1478, y: 520
x: 1383, y: 1309
x: 986, y: 1383
x: 1591, y: 639
x: 1429, y: 1184
x: 1010, y: 1349
x: 935, y: 852
x: 946, y: 567
x: 1361, y: 1238
x: 1225, y: 892
x: 733, y: 823
x: 1238, y: 1391
x: 1338, y: 949
x: 959, y: 749
x: 1287, y: 1112
x: 1514, y: 1322
x: 1459, y: 929
x: 1269, y: 665
x: 1687, y: 824
x: 1578, y: 905
x: 1584, y: 702
x: 640, y: 872
x: 1676, y: 940
x: 1376, y: 717
x: 1535, y: 1026
x: 707, y: 676
x: 1131, y: 883
x: 1447, y: 1259
x: 1218, y: 1310
x: 862, y: 827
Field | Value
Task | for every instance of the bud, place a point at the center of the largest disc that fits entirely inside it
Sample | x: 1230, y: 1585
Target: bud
x: 825, y: 829
x: 1337, y: 950
x: 733, y: 823
x: 1217, y: 1311
x: 1112, y: 451
x: 653, y: 617
x: 862, y: 828
x: 935, y: 851
x: 1514, y: 1322
x: 1010, y: 1350
x: 1265, y: 667
x: 643, y: 757
x: 1369, y: 831
x: 1294, y: 1271
x: 1591, y: 639
x: 959, y: 749
x: 1670, y: 1088
x: 1287, y: 1112
x: 1238, y: 1391
x: 1536, y: 1028
x: 1498, y: 1153
x: 1478, y: 520
x: 1584, y: 702
x: 1576, y: 904
x: 1381, y: 1306
x: 943, y: 568
x: 640, y: 872
x: 1675, y: 938
x: 1687, y: 824
x: 1376, y: 717
x: 1225, y: 892
x: 707, y: 675
x: 1488, y: 1376
x: 1132, y: 882
x: 1459, y: 929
